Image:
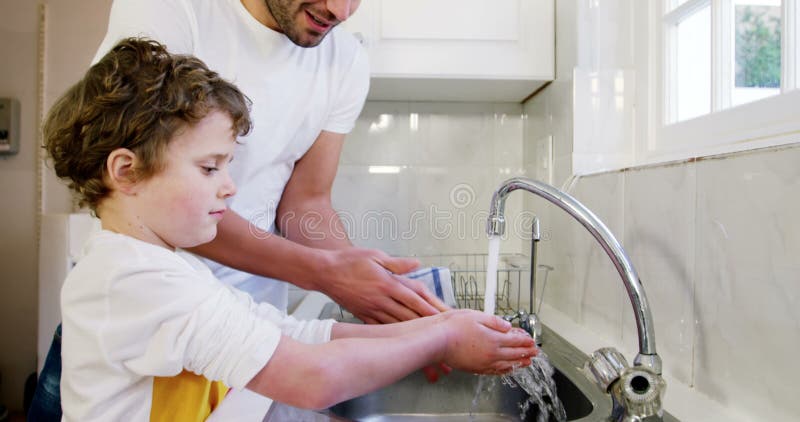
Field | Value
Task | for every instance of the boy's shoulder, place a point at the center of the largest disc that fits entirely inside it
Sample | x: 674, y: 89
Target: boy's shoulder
x: 116, y: 267
x: 108, y: 257
x: 106, y: 247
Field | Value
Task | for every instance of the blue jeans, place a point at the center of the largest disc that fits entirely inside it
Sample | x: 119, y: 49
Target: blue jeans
x: 46, y: 402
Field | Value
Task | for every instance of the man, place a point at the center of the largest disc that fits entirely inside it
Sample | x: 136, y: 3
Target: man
x: 308, y: 81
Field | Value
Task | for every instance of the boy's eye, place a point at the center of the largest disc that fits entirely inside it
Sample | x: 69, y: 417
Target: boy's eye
x: 209, y: 170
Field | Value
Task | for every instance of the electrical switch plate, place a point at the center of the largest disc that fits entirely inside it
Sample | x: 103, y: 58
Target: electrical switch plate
x: 9, y: 126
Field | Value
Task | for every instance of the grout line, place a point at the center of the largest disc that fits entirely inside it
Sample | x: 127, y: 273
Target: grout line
x: 693, y: 258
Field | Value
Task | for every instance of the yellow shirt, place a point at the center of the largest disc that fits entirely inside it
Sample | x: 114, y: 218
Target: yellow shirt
x: 186, y: 397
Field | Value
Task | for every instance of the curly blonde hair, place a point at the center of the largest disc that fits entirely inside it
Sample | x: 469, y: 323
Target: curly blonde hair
x: 138, y: 96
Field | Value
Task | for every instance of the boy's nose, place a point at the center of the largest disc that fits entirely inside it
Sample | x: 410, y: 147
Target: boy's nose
x: 341, y: 8
x: 228, y: 187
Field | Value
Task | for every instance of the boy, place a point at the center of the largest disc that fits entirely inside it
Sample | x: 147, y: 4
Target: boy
x: 145, y: 139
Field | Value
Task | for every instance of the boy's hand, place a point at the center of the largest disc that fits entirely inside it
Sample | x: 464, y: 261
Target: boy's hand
x: 484, y: 344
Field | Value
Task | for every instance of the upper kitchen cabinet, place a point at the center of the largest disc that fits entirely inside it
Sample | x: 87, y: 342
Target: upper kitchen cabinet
x: 457, y: 50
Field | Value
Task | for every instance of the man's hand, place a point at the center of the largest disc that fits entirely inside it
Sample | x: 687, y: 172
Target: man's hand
x: 364, y: 282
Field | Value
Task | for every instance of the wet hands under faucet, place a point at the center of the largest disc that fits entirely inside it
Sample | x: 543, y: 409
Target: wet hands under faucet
x: 480, y: 343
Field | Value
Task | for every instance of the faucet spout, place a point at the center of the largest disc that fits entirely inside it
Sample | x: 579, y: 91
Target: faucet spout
x: 644, y: 321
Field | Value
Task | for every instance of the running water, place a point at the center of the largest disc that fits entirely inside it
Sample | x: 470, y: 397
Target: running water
x: 491, y: 274
x: 537, y: 381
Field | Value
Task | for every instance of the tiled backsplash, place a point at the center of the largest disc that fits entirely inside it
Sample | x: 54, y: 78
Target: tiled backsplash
x: 715, y: 243
x: 417, y: 178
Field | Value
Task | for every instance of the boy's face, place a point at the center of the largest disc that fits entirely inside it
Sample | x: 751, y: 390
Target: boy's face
x: 181, y: 205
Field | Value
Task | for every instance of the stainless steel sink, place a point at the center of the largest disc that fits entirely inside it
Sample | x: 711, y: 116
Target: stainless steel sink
x: 451, y: 398
x: 454, y: 397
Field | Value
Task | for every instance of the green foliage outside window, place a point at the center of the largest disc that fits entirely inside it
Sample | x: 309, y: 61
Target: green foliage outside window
x: 758, y: 46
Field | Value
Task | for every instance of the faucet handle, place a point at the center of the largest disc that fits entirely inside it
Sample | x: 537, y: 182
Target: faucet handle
x: 605, y: 366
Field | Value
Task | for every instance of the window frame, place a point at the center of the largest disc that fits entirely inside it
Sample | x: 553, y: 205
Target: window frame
x: 767, y: 122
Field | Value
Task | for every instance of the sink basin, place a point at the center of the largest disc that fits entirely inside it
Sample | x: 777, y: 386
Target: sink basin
x: 451, y: 398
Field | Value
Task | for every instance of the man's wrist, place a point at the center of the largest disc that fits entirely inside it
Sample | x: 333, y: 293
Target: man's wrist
x: 322, y: 265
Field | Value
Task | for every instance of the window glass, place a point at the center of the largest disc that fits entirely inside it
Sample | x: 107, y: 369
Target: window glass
x: 672, y: 4
x: 693, y: 65
x: 757, y: 50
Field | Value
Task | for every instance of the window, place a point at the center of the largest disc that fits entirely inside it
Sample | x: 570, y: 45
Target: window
x: 691, y: 83
x: 728, y: 71
x: 721, y: 53
x: 756, y: 58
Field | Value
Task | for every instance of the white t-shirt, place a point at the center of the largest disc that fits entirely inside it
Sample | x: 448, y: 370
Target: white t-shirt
x: 296, y: 92
x: 133, y: 311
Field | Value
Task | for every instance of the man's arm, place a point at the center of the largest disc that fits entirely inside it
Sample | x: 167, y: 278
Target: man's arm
x: 305, y: 214
x: 241, y: 245
x: 363, y: 284
x: 355, y: 278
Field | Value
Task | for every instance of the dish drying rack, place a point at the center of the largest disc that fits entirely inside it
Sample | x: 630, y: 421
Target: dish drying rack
x: 468, y: 278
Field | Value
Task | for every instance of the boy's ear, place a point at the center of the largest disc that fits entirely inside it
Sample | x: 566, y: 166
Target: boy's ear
x: 120, y: 169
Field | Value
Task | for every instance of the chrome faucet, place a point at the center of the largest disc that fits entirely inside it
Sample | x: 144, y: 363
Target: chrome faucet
x: 529, y: 322
x: 495, y: 226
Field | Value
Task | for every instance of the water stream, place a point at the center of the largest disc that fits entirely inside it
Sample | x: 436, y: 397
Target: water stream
x: 537, y: 381
x: 490, y: 291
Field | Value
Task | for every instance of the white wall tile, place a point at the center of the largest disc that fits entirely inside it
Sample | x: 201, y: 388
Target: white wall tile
x: 450, y: 158
x: 507, y: 137
x: 453, y: 134
x: 534, y: 127
x: 382, y: 136
x: 554, y: 251
x: 748, y: 289
x: 660, y: 240
x: 560, y: 117
x: 375, y: 207
x: 452, y: 204
x: 598, y: 285
x: 604, y: 113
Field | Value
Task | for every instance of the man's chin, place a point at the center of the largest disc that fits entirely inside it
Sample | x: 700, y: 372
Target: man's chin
x: 308, y: 39
x: 309, y: 43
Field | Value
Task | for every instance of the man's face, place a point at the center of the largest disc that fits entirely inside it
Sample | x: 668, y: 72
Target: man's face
x: 306, y: 22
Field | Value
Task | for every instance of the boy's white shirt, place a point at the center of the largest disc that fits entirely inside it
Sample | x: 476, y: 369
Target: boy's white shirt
x: 133, y: 310
x: 296, y: 92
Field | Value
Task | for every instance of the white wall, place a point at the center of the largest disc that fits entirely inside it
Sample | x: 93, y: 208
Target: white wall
x: 18, y: 215
x: 715, y: 241
x: 73, y: 29
x: 449, y: 159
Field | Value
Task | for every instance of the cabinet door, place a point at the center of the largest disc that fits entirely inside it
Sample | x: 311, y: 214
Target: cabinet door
x: 509, y: 40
